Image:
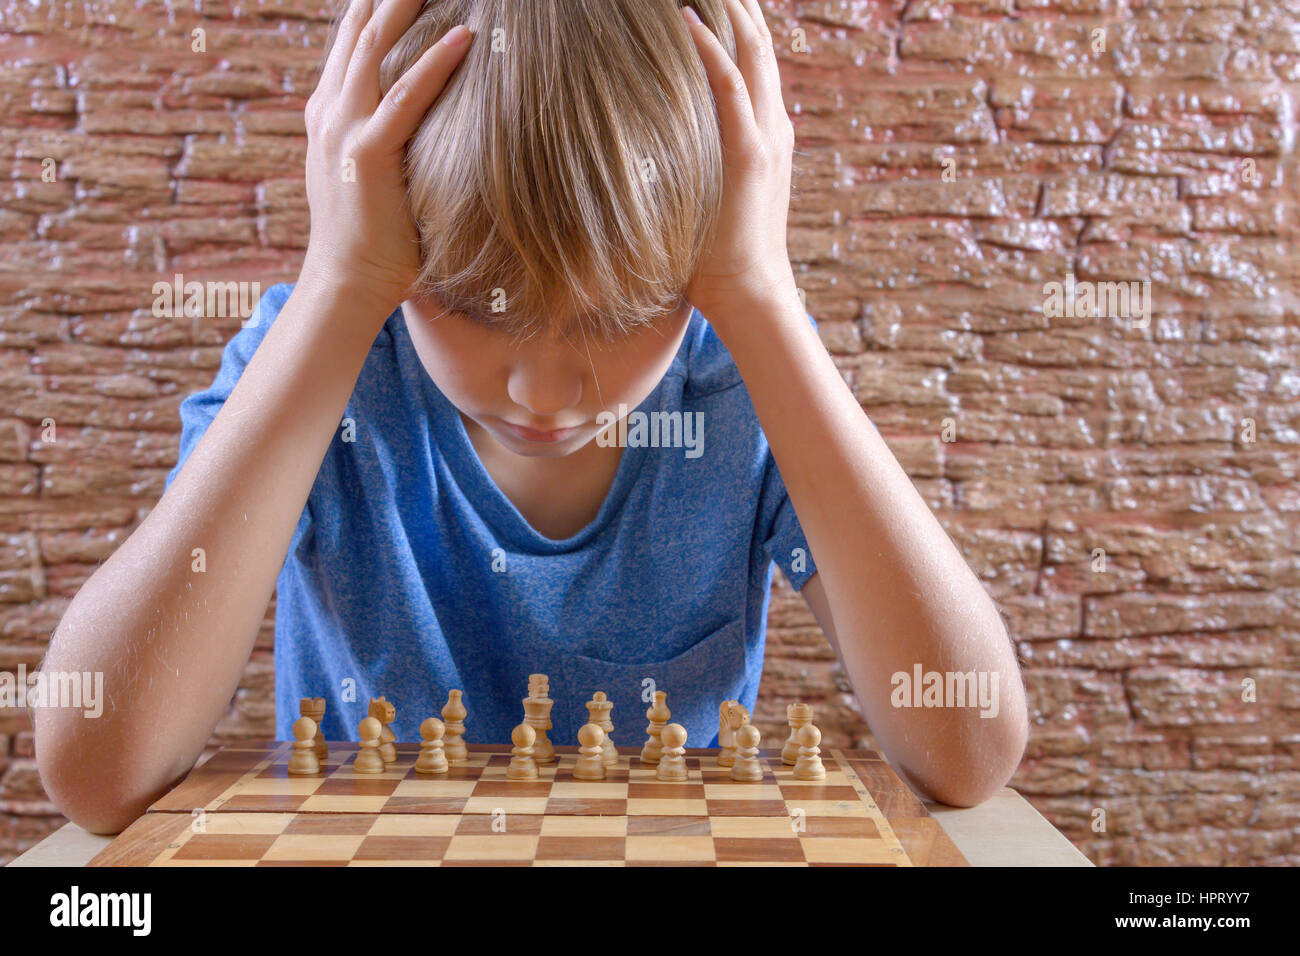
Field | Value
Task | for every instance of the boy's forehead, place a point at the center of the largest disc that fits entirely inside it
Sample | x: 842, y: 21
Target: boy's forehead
x: 561, y: 322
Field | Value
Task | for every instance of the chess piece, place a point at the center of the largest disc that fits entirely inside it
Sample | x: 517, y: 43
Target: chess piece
x: 368, y: 759
x: 433, y: 757
x: 385, y: 713
x: 598, y: 708
x: 537, y: 714
x: 304, y: 759
x: 523, y: 765
x: 747, y: 768
x: 798, y: 715
x: 672, y: 765
x: 658, y: 715
x: 809, y: 765
x: 732, y: 717
x: 591, y: 756
x: 453, y: 714
x: 726, y: 736
x: 539, y: 685
x: 314, y: 707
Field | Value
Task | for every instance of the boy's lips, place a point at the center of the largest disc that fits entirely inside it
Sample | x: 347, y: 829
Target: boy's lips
x: 543, y: 437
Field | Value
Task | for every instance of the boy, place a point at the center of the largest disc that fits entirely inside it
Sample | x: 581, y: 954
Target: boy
x: 415, y: 437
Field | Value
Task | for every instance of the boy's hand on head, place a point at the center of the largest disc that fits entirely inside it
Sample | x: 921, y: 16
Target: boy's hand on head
x: 362, y: 234
x: 747, y: 261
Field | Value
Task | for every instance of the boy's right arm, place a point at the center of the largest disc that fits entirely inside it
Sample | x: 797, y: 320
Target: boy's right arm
x: 171, y: 642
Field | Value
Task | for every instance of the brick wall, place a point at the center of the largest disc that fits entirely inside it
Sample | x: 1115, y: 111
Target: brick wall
x: 1161, y: 149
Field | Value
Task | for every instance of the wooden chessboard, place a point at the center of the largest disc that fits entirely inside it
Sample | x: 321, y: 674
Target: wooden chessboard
x: 242, y: 808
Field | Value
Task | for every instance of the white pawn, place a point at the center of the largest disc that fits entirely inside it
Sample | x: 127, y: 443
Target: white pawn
x: 304, y: 760
x: 672, y: 763
x: 809, y: 765
x: 591, y: 754
x: 433, y: 758
x: 368, y: 759
x: 747, y: 769
x: 523, y: 765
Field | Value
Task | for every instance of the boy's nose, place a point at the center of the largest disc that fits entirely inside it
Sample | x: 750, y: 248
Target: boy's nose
x: 544, y: 391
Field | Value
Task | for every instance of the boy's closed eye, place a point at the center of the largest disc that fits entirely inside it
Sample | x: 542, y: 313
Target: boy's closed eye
x: 539, y: 394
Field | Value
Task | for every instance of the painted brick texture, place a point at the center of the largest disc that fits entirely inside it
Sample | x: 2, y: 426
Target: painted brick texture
x: 952, y: 159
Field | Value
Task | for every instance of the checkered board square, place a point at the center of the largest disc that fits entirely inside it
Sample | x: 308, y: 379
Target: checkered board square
x: 243, y: 808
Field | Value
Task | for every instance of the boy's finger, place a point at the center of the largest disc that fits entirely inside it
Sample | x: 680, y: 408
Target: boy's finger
x: 735, y: 111
x: 350, y: 24
x: 754, y: 54
x: 777, y: 99
x: 391, y: 20
x: 409, y: 99
x: 756, y: 13
x: 767, y: 81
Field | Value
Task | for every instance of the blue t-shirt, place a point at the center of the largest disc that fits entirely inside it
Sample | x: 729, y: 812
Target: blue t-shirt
x: 410, y: 573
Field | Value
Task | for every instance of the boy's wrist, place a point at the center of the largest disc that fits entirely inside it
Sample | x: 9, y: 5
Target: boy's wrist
x: 753, y: 310
x: 367, y: 298
x: 340, y: 299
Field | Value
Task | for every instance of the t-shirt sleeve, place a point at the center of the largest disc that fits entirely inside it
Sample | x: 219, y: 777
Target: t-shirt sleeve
x: 783, y: 538
x: 199, y: 409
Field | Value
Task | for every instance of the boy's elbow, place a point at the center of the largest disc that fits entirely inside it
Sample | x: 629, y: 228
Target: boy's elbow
x: 90, y: 792
x: 976, y: 764
x: 969, y: 787
x: 988, y: 750
x: 988, y: 766
x: 88, y: 806
x: 99, y: 813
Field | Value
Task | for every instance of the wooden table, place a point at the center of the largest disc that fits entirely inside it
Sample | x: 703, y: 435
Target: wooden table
x: 1003, y: 831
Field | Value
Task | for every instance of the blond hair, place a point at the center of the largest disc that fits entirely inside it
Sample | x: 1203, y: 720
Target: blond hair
x: 571, y: 167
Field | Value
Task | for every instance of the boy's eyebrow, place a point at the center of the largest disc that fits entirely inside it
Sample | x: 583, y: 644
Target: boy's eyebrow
x: 572, y: 325
x: 603, y: 324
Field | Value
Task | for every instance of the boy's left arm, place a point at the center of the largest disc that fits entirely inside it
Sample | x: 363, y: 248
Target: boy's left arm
x: 892, y: 591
